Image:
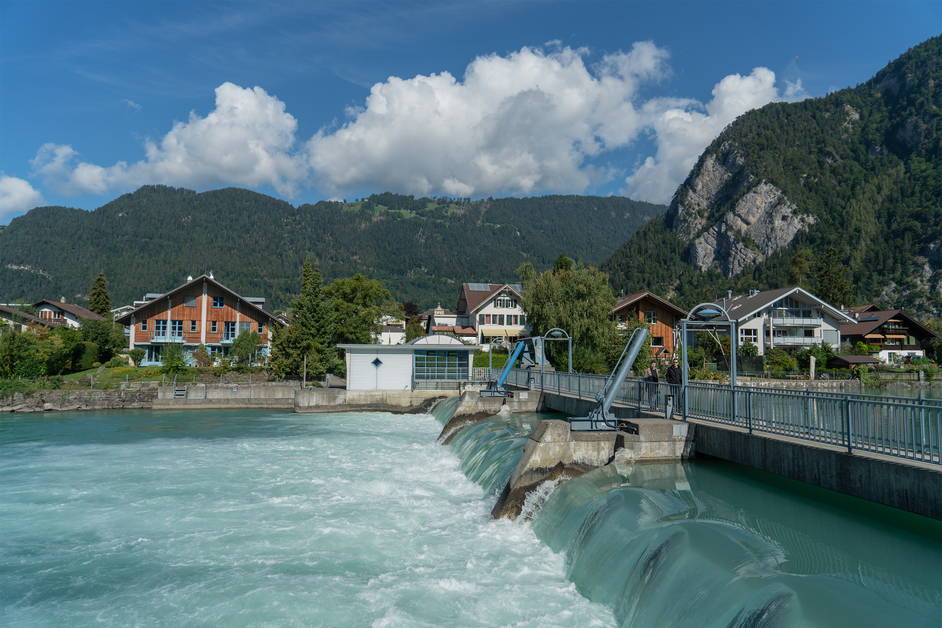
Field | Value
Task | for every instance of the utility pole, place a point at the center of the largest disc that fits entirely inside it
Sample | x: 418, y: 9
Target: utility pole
x: 304, y: 376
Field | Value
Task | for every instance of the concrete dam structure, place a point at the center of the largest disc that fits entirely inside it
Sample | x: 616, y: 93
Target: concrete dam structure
x: 663, y: 539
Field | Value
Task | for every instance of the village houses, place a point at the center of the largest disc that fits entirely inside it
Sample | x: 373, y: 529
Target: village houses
x: 493, y: 312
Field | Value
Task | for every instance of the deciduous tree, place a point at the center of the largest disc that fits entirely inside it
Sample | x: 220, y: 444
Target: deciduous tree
x: 578, y: 299
x: 359, y: 305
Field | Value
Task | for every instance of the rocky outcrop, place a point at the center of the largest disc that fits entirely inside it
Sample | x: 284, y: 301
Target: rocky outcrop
x: 730, y: 220
x: 48, y: 400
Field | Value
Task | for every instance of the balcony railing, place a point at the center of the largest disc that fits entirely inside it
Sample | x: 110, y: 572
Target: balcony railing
x: 795, y: 341
x: 796, y: 321
x: 167, y: 338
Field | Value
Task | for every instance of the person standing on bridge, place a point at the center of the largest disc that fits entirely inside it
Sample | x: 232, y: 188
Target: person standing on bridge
x: 651, y: 379
x: 675, y: 379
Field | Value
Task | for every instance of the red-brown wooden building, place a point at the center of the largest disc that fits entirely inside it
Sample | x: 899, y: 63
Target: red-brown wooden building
x: 661, y: 315
x: 200, y: 312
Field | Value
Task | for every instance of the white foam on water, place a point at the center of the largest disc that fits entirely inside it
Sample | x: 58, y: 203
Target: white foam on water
x: 313, y: 520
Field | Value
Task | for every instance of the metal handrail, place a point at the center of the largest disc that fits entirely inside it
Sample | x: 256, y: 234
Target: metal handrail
x: 902, y: 427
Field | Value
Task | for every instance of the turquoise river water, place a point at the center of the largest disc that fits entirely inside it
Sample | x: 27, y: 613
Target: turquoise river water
x: 247, y: 518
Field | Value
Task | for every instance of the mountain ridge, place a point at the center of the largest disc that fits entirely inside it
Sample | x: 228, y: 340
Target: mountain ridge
x: 150, y: 239
x: 858, y: 170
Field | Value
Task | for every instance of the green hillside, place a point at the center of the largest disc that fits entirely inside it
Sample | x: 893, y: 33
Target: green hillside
x: 860, y: 169
x: 150, y: 240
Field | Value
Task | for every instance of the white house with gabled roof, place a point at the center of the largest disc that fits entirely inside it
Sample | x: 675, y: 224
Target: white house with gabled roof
x: 785, y: 318
x: 493, y: 311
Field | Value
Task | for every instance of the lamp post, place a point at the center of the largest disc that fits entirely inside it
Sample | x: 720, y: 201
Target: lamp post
x: 561, y: 334
x: 709, y: 316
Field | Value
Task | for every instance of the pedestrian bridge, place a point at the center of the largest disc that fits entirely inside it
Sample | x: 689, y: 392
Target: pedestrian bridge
x: 885, y: 449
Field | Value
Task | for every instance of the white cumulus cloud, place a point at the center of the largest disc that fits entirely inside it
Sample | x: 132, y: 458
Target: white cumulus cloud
x: 246, y: 140
x: 535, y: 120
x: 17, y: 195
x: 519, y: 123
x: 684, y: 128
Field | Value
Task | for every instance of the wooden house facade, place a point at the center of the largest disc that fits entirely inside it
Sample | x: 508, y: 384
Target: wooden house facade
x: 200, y: 312
x: 661, y: 316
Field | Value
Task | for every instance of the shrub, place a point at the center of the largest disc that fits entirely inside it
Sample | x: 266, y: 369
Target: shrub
x: 86, y: 354
x: 201, y: 357
x: 747, y: 349
x: 780, y: 360
x: 115, y: 362
x: 137, y: 355
x: 30, y: 368
x: 173, y: 359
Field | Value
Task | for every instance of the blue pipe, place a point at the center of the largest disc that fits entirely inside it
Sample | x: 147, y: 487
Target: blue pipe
x: 518, y: 349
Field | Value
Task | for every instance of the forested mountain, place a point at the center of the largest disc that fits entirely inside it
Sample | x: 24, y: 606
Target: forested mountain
x: 842, y: 194
x: 150, y: 240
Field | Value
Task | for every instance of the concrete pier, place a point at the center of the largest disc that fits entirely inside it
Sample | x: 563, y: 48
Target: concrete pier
x: 553, y: 451
x: 473, y: 407
x: 649, y: 440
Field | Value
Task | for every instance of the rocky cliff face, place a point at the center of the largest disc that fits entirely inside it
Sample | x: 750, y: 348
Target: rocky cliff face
x: 731, y: 220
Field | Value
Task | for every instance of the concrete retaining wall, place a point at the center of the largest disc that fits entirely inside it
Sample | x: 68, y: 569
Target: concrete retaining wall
x: 197, y: 392
x: 915, y: 488
x: 212, y: 396
x: 339, y: 400
x: 67, y: 400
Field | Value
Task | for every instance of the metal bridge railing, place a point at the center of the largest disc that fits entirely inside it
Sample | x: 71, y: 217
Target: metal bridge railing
x: 902, y: 427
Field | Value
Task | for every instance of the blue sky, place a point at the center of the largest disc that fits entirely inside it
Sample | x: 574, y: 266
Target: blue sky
x: 468, y: 98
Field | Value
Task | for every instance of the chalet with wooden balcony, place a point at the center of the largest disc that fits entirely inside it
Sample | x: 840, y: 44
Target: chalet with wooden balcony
x: 898, y: 335
x: 60, y: 313
x: 658, y: 313
x: 200, y: 312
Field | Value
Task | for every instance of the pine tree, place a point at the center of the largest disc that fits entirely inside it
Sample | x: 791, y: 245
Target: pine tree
x: 310, y: 333
x: 830, y: 279
x: 800, y: 268
x: 99, y: 298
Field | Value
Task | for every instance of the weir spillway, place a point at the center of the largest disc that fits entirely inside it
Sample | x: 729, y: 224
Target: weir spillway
x: 709, y: 543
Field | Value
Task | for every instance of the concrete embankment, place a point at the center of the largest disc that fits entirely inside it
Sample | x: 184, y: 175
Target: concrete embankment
x: 268, y: 395
x: 911, y: 486
x: 273, y: 395
x: 70, y: 400
x: 340, y: 400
